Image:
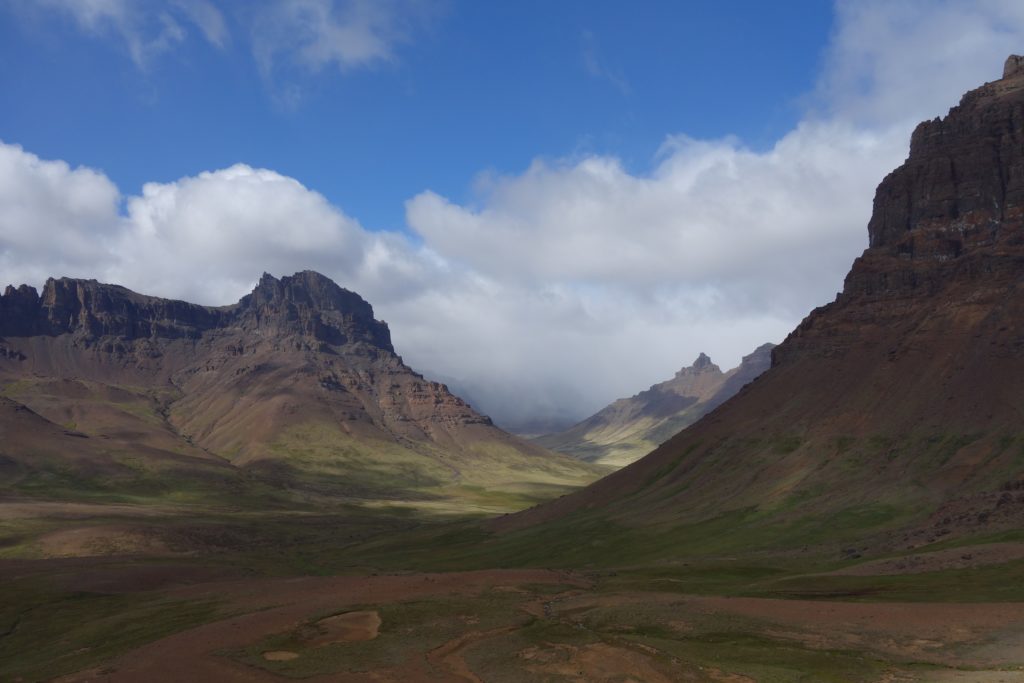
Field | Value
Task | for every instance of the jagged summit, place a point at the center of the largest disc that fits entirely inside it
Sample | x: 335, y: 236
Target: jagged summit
x: 631, y: 427
x: 307, y: 304
x: 961, y: 187
x: 297, y: 383
x: 308, y: 289
x: 703, y: 362
x: 312, y: 305
x: 951, y: 216
x: 1013, y: 66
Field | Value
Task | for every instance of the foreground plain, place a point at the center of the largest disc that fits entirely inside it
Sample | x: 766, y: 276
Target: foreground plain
x: 178, y: 594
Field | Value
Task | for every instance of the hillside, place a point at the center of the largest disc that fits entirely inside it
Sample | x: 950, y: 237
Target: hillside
x: 892, y: 416
x: 294, y: 392
x: 629, y: 428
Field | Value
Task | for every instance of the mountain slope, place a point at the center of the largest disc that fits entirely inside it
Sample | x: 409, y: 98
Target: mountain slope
x: 296, y: 386
x: 631, y: 427
x: 894, y: 413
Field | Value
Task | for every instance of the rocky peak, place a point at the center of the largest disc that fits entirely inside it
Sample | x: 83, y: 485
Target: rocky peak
x: 312, y: 304
x: 311, y: 290
x: 703, y: 361
x: 701, y: 365
x: 1013, y: 66
x: 951, y: 215
x: 962, y: 186
x: 305, y: 304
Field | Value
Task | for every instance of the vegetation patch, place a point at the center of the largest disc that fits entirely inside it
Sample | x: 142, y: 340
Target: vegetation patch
x: 45, y: 633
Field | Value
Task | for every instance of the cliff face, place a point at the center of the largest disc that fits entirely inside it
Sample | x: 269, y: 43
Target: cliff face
x: 631, y: 427
x: 90, y: 310
x: 310, y: 305
x: 903, y: 395
x: 305, y: 304
x: 298, y: 375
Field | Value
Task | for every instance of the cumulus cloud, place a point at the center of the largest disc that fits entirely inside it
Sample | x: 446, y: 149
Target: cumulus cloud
x: 223, y: 228
x: 560, y: 288
x: 600, y: 282
x: 53, y: 218
x: 710, y: 213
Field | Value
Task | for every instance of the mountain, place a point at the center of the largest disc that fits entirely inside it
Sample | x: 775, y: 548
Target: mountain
x: 296, y: 389
x: 892, y: 414
x: 631, y: 427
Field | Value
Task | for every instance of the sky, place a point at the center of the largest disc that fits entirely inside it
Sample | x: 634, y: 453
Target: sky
x: 552, y: 204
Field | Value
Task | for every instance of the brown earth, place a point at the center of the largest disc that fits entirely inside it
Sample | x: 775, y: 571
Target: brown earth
x: 347, y: 628
x: 100, y: 540
x: 988, y: 638
x: 271, y: 606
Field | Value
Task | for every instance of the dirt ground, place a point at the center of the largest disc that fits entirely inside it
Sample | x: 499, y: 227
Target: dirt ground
x: 276, y: 605
x: 981, y: 643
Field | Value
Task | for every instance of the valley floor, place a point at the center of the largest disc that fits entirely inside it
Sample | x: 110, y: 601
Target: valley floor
x: 86, y: 595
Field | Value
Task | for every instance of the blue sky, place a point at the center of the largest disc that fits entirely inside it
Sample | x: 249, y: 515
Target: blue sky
x: 553, y: 204
x: 470, y: 87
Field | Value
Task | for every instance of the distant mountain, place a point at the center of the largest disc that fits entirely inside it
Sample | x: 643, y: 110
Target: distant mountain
x: 892, y: 417
x: 632, y: 427
x: 296, y: 389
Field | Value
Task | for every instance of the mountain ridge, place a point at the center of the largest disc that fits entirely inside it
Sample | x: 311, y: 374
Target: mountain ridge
x: 897, y: 401
x: 629, y: 428
x: 297, y: 384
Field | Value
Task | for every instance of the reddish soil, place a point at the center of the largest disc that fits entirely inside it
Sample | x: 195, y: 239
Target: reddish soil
x: 979, y: 636
x: 276, y: 605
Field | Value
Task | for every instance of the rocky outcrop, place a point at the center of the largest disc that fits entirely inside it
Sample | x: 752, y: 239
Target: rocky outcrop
x: 1014, y: 65
x: 961, y: 190
x: 310, y: 305
x: 952, y: 215
x: 89, y: 310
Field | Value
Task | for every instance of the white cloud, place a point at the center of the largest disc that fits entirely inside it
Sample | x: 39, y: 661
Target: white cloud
x: 344, y: 34
x: 575, y: 281
x: 222, y: 229
x: 892, y: 61
x: 599, y: 282
x: 147, y: 30
x: 207, y: 17
x: 53, y: 219
x: 289, y: 39
x: 709, y: 213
